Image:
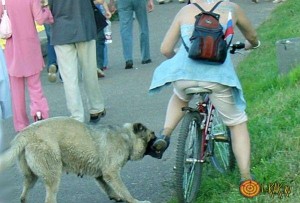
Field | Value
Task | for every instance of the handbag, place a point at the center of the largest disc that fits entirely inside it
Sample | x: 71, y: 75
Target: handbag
x: 100, y: 19
x: 5, y: 25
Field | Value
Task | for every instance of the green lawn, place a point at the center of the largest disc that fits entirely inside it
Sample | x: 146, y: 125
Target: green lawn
x: 274, y: 119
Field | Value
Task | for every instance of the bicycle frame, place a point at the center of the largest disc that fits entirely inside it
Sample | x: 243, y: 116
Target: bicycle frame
x: 203, y: 138
x: 205, y: 109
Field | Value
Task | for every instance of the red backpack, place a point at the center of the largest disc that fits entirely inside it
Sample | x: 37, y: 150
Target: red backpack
x: 208, y: 42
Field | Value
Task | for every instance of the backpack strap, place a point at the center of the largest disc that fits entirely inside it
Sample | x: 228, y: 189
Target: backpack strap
x: 217, y: 4
x: 213, y: 8
x: 198, y: 6
x: 184, y: 44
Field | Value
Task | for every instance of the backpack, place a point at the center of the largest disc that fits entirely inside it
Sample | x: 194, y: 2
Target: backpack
x: 208, y: 42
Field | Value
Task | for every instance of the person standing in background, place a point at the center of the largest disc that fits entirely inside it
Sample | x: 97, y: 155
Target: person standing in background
x: 25, y: 60
x: 52, y: 67
x: 74, y: 40
x: 5, y: 99
x: 126, y: 9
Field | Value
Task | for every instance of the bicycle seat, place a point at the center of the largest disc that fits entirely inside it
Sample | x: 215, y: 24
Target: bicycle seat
x: 196, y: 90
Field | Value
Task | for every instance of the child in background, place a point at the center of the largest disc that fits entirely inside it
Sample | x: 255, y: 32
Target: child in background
x: 108, y: 40
x: 103, y: 38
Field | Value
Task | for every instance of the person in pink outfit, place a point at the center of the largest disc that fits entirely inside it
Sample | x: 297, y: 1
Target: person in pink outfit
x: 25, y: 60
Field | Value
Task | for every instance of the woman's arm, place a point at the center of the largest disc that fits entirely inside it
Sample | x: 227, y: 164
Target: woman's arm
x: 247, y: 29
x: 41, y: 13
x: 171, y: 38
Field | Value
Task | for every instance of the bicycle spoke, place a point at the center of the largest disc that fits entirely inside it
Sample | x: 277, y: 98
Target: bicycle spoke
x: 220, y: 145
x: 223, y: 152
x: 188, y: 184
x: 188, y: 166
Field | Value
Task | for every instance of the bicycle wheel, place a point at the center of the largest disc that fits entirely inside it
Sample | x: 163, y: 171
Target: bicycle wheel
x: 188, y: 166
x: 219, y: 145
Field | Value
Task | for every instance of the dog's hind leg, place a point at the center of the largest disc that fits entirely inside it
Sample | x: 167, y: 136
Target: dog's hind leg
x: 107, y: 189
x: 51, y: 190
x: 51, y: 177
x: 44, y: 159
x: 29, y: 177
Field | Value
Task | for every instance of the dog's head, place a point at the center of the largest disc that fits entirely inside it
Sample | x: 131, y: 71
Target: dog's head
x: 143, y: 138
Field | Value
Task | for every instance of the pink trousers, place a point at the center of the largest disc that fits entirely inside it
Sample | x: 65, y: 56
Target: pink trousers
x: 37, y: 100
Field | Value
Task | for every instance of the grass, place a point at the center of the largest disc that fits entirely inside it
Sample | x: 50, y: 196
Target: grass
x: 274, y: 119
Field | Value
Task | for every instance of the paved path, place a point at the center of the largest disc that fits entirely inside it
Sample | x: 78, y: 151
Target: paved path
x: 127, y: 100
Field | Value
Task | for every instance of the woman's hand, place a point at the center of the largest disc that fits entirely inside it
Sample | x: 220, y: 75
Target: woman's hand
x: 248, y: 45
x: 44, y: 3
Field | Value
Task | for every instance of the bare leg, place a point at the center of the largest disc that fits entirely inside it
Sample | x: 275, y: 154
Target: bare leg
x: 241, y: 148
x: 174, y: 114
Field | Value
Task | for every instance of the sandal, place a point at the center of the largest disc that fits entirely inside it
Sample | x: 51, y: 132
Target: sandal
x: 161, y: 143
x: 252, y: 178
x: 158, y: 146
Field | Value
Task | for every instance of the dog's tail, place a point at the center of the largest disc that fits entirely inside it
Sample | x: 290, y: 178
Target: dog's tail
x: 8, y: 157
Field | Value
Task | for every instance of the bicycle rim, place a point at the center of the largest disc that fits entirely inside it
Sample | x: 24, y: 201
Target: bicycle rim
x: 188, y: 167
x: 222, y: 155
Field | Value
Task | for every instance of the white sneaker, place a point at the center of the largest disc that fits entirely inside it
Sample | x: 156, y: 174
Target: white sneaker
x: 277, y: 1
x: 161, y: 1
x: 38, y: 116
x: 181, y: 1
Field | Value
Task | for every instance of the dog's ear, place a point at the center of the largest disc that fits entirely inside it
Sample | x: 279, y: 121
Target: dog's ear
x: 138, y: 127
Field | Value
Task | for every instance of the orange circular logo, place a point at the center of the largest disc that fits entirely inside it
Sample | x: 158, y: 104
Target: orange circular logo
x: 249, y: 188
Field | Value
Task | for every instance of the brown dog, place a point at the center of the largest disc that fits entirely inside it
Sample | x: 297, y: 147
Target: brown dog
x: 48, y: 147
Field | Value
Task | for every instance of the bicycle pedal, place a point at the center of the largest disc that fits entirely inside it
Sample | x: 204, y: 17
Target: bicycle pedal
x: 221, y: 138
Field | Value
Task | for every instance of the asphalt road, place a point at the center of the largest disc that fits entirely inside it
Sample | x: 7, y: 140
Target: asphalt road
x: 127, y: 100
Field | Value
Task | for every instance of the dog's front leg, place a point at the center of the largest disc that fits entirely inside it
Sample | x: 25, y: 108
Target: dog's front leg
x: 113, y: 179
x: 107, y: 189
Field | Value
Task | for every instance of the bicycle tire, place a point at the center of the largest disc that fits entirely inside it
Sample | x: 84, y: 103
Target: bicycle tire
x: 188, y: 174
x: 222, y: 156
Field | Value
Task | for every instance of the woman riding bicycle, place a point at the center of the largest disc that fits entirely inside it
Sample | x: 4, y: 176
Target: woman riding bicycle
x: 222, y: 80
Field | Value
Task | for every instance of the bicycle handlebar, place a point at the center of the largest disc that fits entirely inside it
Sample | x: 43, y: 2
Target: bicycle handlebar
x: 235, y: 46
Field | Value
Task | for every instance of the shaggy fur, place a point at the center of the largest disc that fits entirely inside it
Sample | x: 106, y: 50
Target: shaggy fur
x: 47, y: 148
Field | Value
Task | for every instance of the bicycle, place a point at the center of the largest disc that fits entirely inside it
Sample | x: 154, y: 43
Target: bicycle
x: 203, y: 137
